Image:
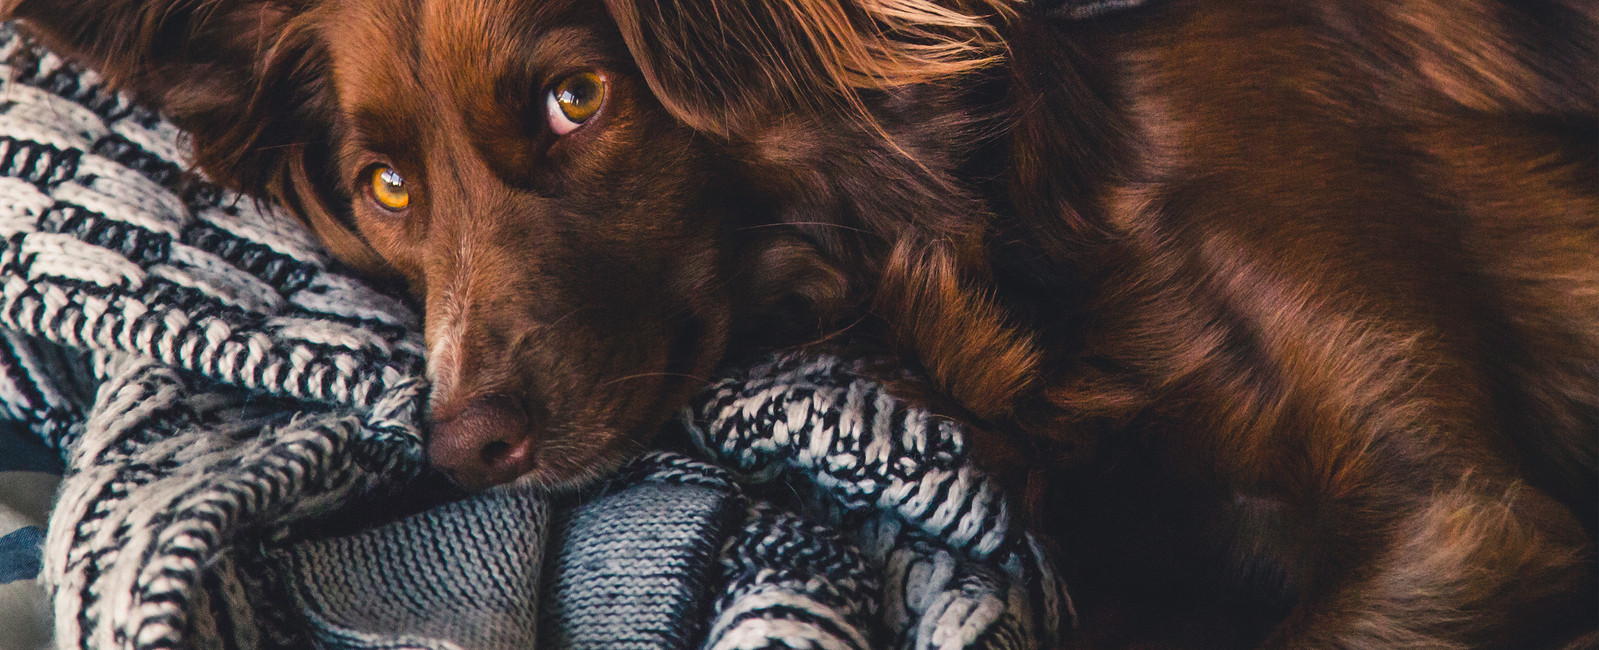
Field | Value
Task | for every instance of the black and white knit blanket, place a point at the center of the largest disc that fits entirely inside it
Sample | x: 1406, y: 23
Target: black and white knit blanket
x: 223, y: 396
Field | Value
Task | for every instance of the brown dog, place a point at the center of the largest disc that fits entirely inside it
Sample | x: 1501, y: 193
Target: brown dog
x: 1288, y: 306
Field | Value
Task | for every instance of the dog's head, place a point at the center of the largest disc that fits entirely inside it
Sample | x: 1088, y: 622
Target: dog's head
x: 590, y: 199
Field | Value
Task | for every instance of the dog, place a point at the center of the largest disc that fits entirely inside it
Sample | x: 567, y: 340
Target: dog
x: 1278, y: 315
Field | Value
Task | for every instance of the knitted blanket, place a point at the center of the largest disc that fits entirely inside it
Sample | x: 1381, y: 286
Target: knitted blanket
x: 224, y: 396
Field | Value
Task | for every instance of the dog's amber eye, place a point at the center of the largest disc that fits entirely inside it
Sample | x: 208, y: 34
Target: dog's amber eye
x: 388, y: 188
x: 573, y: 101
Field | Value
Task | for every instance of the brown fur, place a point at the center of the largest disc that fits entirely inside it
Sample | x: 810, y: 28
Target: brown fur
x: 1282, y: 316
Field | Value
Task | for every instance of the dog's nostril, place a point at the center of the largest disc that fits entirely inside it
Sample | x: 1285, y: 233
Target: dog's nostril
x: 495, y: 451
x: 490, y: 441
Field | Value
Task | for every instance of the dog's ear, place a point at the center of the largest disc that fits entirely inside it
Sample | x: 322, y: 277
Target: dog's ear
x: 986, y: 363
x: 241, y: 76
x: 724, y: 67
x: 788, y: 289
x: 245, y: 78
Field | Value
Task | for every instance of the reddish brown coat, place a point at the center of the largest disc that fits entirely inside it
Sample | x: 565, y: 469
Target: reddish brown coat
x: 1282, y: 316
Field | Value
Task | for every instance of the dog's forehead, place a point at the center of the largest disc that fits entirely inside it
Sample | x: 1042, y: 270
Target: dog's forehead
x: 437, y: 50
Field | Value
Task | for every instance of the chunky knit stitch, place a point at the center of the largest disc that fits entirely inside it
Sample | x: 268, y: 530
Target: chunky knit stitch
x: 898, y: 481
x: 214, y: 383
x: 147, y: 318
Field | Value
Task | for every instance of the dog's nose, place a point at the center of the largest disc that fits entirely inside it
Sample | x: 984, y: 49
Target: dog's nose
x: 487, y: 443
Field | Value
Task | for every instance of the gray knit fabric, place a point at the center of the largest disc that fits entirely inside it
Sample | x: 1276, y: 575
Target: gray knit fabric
x: 214, y: 384
x: 634, y: 559
x: 461, y: 575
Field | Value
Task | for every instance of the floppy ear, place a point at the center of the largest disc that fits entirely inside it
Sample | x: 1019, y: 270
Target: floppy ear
x: 788, y: 289
x: 245, y: 78
x: 722, y: 66
x: 986, y: 364
x: 239, y: 75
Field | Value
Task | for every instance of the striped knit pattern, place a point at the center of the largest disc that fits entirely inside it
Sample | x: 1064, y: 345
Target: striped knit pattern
x: 793, y: 584
x: 900, y: 480
x: 148, y: 322
x: 214, y: 383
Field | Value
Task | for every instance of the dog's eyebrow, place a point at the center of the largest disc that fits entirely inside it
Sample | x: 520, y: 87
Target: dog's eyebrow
x: 381, y: 130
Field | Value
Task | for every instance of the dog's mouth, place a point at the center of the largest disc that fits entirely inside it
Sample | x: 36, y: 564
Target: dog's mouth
x: 566, y: 472
x: 684, y: 352
x: 561, y: 442
x: 571, y: 459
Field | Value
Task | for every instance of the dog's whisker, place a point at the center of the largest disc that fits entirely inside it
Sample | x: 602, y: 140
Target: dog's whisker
x: 824, y: 224
x: 285, y: 145
x: 648, y: 375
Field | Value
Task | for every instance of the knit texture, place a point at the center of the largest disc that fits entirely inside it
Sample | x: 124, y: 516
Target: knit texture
x: 898, y: 481
x: 215, y: 383
x: 636, y: 558
x: 149, y: 322
x: 407, y: 578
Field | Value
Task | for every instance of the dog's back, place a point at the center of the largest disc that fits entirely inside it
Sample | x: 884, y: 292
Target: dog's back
x: 1432, y: 167
x: 1354, y: 281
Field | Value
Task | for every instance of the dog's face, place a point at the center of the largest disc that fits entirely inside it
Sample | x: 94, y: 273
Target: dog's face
x: 589, y: 199
x: 507, y: 160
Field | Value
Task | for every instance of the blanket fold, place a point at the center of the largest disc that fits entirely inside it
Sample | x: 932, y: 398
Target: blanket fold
x: 215, y: 384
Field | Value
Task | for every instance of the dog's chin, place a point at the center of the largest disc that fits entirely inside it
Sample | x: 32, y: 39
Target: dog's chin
x: 571, y: 474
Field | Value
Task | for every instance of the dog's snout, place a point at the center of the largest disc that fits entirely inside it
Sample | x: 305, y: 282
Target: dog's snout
x: 489, y: 442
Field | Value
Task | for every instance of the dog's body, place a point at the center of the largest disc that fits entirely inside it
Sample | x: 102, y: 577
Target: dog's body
x: 1298, y: 299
